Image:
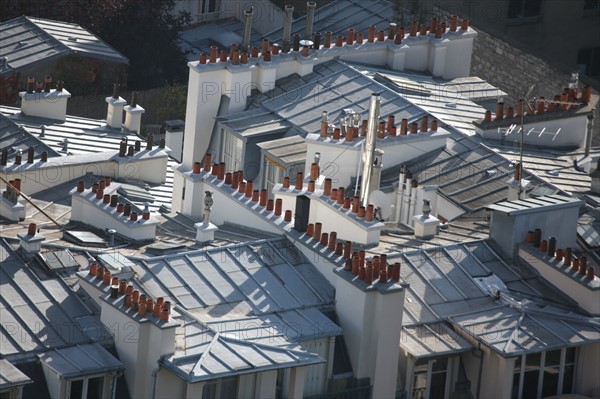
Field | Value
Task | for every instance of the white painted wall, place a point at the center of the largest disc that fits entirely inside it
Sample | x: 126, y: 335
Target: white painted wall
x: 147, y: 166
x: 51, y: 105
x: 139, y: 345
x: 497, y: 376
x: 85, y: 208
x: 168, y: 385
x: 539, y: 131
x: 587, y: 297
x: 316, y: 375
x: 228, y: 206
x: 586, y: 376
x: 561, y: 223
x: 339, y: 159
x: 332, y: 217
x: 265, y: 384
x: 371, y: 322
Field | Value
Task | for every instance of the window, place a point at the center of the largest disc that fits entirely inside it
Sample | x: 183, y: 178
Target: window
x: 430, y: 379
x: 87, y: 388
x: 588, y: 61
x: 209, y: 6
x: 223, y: 388
x: 524, y: 8
x: 233, y: 148
x: 273, y: 174
x: 544, y: 374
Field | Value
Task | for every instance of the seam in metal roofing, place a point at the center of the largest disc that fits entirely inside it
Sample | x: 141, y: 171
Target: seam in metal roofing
x: 26, y: 41
x: 81, y: 360
x: 432, y: 340
x: 528, y: 205
x: 528, y: 317
x: 11, y: 376
x: 219, y: 356
x: 38, y: 310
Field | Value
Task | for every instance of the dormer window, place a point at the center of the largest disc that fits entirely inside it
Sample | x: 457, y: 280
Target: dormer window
x: 93, y: 387
x: 519, y: 9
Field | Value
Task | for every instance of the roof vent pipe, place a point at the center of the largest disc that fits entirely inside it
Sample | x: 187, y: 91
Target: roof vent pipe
x: 369, y: 149
x: 248, y: 14
x: 590, y: 131
x: 287, y: 27
x: 310, y: 18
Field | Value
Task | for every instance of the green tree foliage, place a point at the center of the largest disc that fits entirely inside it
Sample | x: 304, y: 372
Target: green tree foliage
x: 173, y: 102
x: 145, y: 31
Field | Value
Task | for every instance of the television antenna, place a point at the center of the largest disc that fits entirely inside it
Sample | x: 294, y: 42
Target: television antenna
x: 523, y: 110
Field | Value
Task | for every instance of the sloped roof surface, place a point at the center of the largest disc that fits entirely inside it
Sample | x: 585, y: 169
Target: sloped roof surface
x: 81, y: 360
x: 340, y: 15
x: 522, y: 314
x: 260, y: 274
x: 38, y: 315
x: 210, y: 355
x: 11, y: 376
x: 87, y: 136
x: 25, y: 41
x: 15, y: 138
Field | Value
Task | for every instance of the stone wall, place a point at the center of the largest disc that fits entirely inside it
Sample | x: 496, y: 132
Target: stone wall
x: 514, y: 71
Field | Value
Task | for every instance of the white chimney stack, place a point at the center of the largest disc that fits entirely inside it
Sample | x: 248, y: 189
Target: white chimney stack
x: 595, y: 175
x: 133, y: 115
x: 310, y: 18
x: 369, y: 149
x: 174, y: 137
x: 41, y: 101
x: 426, y: 226
x: 114, y: 113
x: 31, y: 243
x: 205, y: 230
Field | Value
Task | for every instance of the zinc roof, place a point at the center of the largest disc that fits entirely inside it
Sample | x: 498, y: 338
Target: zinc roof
x: 26, y: 41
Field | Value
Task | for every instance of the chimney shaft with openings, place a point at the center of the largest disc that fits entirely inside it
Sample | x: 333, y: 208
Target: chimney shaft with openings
x: 310, y: 19
x: 133, y: 115
x: 248, y: 14
x: 554, y: 216
x: 287, y: 27
x: 368, y: 155
x: 51, y: 104
x: 114, y: 112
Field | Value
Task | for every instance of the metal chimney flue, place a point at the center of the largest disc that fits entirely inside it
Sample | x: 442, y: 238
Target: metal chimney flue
x: 248, y: 14
x: 369, y: 148
x: 287, y: 27
x: 310, y: 19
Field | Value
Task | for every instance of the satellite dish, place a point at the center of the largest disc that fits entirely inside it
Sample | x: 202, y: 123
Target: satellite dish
x: 383, y: 202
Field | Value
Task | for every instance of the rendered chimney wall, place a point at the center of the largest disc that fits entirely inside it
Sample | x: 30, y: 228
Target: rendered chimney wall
x: 51, y: 104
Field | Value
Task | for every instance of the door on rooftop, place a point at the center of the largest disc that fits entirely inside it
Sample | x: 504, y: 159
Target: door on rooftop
x: 233, y: 151
x: 273, y: 173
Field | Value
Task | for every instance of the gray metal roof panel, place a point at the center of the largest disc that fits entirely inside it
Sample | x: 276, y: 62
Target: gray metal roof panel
x: 259, y: 274
x: 340, y: 15
x: 26, y: 41
x: 511, y: 332
x: 37, y: 308
x: 87, y: 136
x: 79, y: 40
x: 224, y: 356
x: 432, y: 340
x: 11, y: 376
x: 81, y: 360
x: 528, y: 205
